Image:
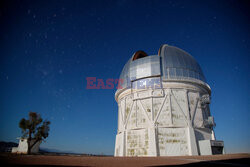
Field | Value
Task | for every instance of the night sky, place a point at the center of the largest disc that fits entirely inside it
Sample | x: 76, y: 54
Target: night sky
x: 48, y: 48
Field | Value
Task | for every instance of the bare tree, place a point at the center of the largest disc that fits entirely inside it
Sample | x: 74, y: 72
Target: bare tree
x: 34, y: 129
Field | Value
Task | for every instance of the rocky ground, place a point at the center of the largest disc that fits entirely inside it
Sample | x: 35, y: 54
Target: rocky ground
x: 79, y: 160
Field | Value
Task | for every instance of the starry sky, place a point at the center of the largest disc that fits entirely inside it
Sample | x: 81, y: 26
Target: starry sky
x: 48, y: 48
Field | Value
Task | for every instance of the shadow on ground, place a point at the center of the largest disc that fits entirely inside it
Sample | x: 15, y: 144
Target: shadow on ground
x: 241, y: 162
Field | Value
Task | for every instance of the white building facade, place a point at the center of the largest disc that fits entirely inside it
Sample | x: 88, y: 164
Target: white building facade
x: 164, y: 107
x: 23, y: 147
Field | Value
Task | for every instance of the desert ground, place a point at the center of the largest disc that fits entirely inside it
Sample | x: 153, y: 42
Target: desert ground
x: 79, y: 160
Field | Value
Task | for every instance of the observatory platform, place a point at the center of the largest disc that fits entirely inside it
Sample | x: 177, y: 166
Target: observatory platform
x: 164, y: 107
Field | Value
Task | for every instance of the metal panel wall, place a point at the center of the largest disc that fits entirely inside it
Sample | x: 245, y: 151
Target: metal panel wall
x: 145, y: 67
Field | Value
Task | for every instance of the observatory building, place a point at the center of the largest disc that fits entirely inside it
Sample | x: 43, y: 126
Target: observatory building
x: 163, y: 103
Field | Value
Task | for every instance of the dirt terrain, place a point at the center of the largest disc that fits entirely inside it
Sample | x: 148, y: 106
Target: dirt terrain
x: 74, y: 160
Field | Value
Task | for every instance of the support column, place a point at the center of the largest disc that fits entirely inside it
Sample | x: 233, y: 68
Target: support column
x: 213, y: 135
x: 120, y: 144
x: 170, y: 105
x: 192, y: 150
x: 152, y: 141
x: 125, y: 143
x: 188, y: 109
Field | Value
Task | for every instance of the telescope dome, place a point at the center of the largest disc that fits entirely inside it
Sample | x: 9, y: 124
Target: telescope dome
x: 163, y: 107
x: 171, y: 63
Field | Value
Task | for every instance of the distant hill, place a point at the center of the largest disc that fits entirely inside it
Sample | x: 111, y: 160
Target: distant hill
x: 48, y: 150
x: 7, y: 146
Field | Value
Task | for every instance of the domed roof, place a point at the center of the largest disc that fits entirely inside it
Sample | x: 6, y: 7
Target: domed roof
x: 178, y: 64
x: 172, y: 63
